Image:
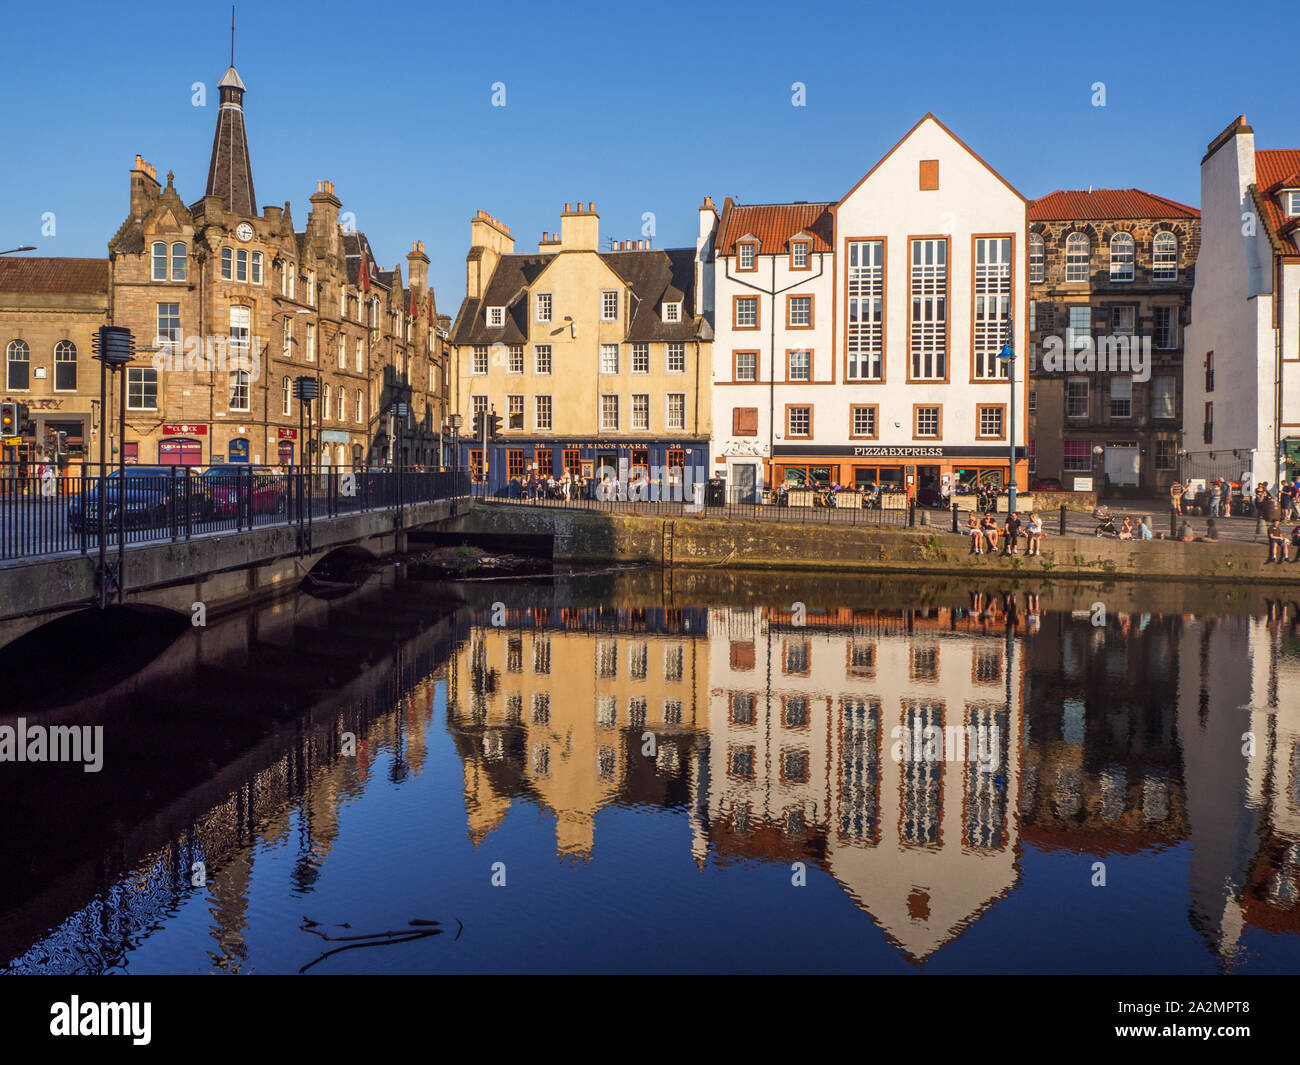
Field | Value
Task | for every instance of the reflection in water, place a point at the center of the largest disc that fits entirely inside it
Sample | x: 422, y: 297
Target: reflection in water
x: 962, y: 764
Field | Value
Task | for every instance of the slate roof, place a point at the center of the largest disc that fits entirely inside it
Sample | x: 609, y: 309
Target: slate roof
x: 230, y: 170
x: 1100, y: 205
x: 774, y: 224
x: 47, y: 275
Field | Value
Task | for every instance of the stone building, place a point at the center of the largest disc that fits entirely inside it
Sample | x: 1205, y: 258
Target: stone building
x: 228, y: 307
x: 1110, y: 285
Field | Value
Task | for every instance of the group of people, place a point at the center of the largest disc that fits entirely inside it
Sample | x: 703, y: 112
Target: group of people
x: 1279, y: 544
x: 1219, y: 499
x: 567, y: 486
x: 984, y: 533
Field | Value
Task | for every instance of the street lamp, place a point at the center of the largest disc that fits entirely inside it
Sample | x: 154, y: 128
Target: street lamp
x: 114, y: 347
x: 305, y: 389
x: 1009, y: 354
x: 454, y: 422
x: 25, y: 247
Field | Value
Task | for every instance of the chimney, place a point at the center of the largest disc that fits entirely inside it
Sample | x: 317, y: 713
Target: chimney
x: 144, y: 188
x: 579, y: 228
x: 489, y: 240
x: 323, y: 220
x: 417, y: 267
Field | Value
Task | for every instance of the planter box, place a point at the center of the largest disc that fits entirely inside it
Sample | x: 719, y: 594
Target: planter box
x: 848, y: 501
x: 800, y: 497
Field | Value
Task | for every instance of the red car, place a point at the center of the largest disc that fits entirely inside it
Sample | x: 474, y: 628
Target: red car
x: 269, y: 493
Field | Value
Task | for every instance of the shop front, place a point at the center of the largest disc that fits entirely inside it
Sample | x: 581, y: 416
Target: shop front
x: 182, y: 444
x: 517, y: 459
x: 924, y: 472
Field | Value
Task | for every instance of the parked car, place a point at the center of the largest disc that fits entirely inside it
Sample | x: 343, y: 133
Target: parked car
x: 1048, y: 484
x: 263, y: 492
x: 152, y: 496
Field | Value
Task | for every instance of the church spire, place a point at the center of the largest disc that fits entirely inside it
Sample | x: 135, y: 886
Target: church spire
x: 230, y: 173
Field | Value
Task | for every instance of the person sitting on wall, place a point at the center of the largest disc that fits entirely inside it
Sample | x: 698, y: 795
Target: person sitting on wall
x: 1143, y: 531
x: 1211, y: 532
x: 1035, y: 546
x: 1277, y: 543
x: 1126, y: 528
x: 1185, y: 533
x: 989, y: 524
x: 1295, y: 542
x: 1011, y: 534
x: 976, y: 535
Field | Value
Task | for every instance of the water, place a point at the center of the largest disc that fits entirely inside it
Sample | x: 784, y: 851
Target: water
x: 704, y: 772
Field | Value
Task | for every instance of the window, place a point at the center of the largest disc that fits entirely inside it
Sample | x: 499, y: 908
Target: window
x: 241, y: 321
x: 927, y: 423
x: 479, y: 360
x: 609, y: 306
x: 798, y: 422
x: 798, y: 365
x: 169, y: 325
x: 641, y: 358
x: 675, y: 411
x: 745, y: 256
x: 227, y: 264
x: 160, y: 261
x: 141, y: 388
x: 1122, y: 320
x: 360, y: 357
x: 799, y: 312
x: 1165, y: 454
x: 343, y: 353
x: 542, y: 359
x: 989, y: 421
x: 542, y: 414
x: 675, y: 357
x: 1121, y: 257
x: 514, y: 412
x: 544, y: 463
x: 286, y: 395
x: 1077, y: 456
x: 1037, y: 259
x: 496, y: 317
x: 992, y: 305
x: 609, y: 358
x: 19, y: 358
x: 311, y: 288
x: 1163, y: 398
x: 609, y: 413
x: 255, y: 273
x: 929, y: 292
x: 746, y: 365
x: 672, y: 312
x: 744, y: 421
x: 241, y: 265
x: 746, y: 312
x: 543, y: 306
x: 326, y: 403
x: 1209, y: 371
x: 572, y: 461
x: 343, y: 404
x: 286, y: 340
x: 516, y: 358
x: 1166, y: 327
x: 1079, y: 333
x: 1121, y: 398
x: 288, y: 276
x: 1076, y: 397
x: 929, y: 175
x: 1033, y: 315
x: 1164, y: 257
x: 309, y: 337
x: 799, y: 255
x: 640, y: 410
x: 65, y: 366
x: 1208, y: 435
x: 359, y: 413
x: 1077, y: 257
x: 865, y: 328
x: 863, y: 422
x: 1033, y: 400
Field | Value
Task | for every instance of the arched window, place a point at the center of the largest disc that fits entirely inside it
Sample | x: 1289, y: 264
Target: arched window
x: 159, y: 261
x: 18, y: 356
x: 328, y: 405
x: 360, y: 395
x: 1077, y: 257
x: 343, y: 404
x: 1164, y: 257
x: 1037, y: 267
x: 178, y: 261
x: 65, y: 366
x: 286, y: 396
x: 1121, y: 257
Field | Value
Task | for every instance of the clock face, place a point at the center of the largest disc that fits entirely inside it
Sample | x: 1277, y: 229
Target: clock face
x: 244, y: 231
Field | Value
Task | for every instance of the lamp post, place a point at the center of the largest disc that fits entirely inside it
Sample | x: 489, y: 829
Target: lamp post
x: 1009, y: 354
x: 454, y: 422
x: 401, y: 411
x: 24, y: 247
x: 114, y: 347
x: 305, y: 388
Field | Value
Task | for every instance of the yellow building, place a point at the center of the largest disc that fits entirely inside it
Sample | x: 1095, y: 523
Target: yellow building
x: 589, y: 358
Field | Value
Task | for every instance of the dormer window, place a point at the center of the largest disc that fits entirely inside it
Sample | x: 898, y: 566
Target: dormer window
x: 1291, y: 202
x: 745, y: 256
x: 672, y: 312
x: 799, y: 255
x: 496, y: 317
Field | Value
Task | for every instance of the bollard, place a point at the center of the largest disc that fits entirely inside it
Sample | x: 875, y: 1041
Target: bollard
x: 1062, y: 519
x: 1173, y: 523
x: 911, y: 513
x: 925, y: 518
x: 954, y: 517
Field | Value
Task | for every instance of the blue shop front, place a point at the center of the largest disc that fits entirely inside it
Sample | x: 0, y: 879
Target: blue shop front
x: 514, y: 458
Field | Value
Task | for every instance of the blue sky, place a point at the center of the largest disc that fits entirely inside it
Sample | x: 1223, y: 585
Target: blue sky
x: 637, y: 108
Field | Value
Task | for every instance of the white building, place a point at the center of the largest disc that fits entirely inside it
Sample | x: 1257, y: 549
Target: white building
x: 1242, y: 356
x: 856, y: 341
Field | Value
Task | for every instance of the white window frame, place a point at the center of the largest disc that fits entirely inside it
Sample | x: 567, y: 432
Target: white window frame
x: 608, y: 425
x: 609, y: 305
x: 1120, y: 405
x: 640, y: 355
x: 545, y: 305
x: 672, y: 350
x: 1070, y: 383
x: 1078, y: 263
x: 675, y: 411
x: 865, y: 331
x: 1123, y: 251
x: 992, y: 305
x: 478, y: 364
x: 496, y: 317
x: 543, y: 424
x: 140, y: 375
x: 1037, y: 259
x: 640, y: 412
x: 930, y: 300
x: 515, y: 405
x: 672, y: 312
x: 538, y: 351
x: 747, y: 256
x: 1164, y: 263
x: 159, y: 259
x: 609, y: 360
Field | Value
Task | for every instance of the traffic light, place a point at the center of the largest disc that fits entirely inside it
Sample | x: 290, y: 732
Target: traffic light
x: 494, y: 424
x: 478, y: 424
x: 24, y: 418
x: 9, y: 419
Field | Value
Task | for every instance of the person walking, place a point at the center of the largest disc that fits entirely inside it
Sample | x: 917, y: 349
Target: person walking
x: 1216, y: 496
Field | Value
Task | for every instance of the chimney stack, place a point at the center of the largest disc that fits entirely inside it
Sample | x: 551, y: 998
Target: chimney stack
x: 144, y: 188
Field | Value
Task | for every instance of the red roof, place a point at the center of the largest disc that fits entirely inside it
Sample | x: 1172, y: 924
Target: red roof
x: 1275, y: 169
x: 40, y: 275
x: 774, y: 224
x: 1100, y: 205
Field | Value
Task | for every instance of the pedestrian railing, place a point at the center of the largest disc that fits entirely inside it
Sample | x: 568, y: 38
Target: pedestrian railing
x: 47, y: 512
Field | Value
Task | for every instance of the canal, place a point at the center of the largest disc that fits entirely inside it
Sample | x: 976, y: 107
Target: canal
x: 633, y: 770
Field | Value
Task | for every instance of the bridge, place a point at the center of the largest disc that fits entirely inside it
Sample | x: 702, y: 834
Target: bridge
x: 173, y: 538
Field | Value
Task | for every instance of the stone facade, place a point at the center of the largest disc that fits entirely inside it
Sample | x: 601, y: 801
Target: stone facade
x: 1115, y: 301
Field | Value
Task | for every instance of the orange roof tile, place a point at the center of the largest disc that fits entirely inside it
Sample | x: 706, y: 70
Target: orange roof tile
x: 1104, y: 204
x: 774, y: 224
x: 39, y: 275
x: 1275, y: 169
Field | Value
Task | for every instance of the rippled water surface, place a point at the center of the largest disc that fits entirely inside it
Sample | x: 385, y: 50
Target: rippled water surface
x: 740, y: 773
